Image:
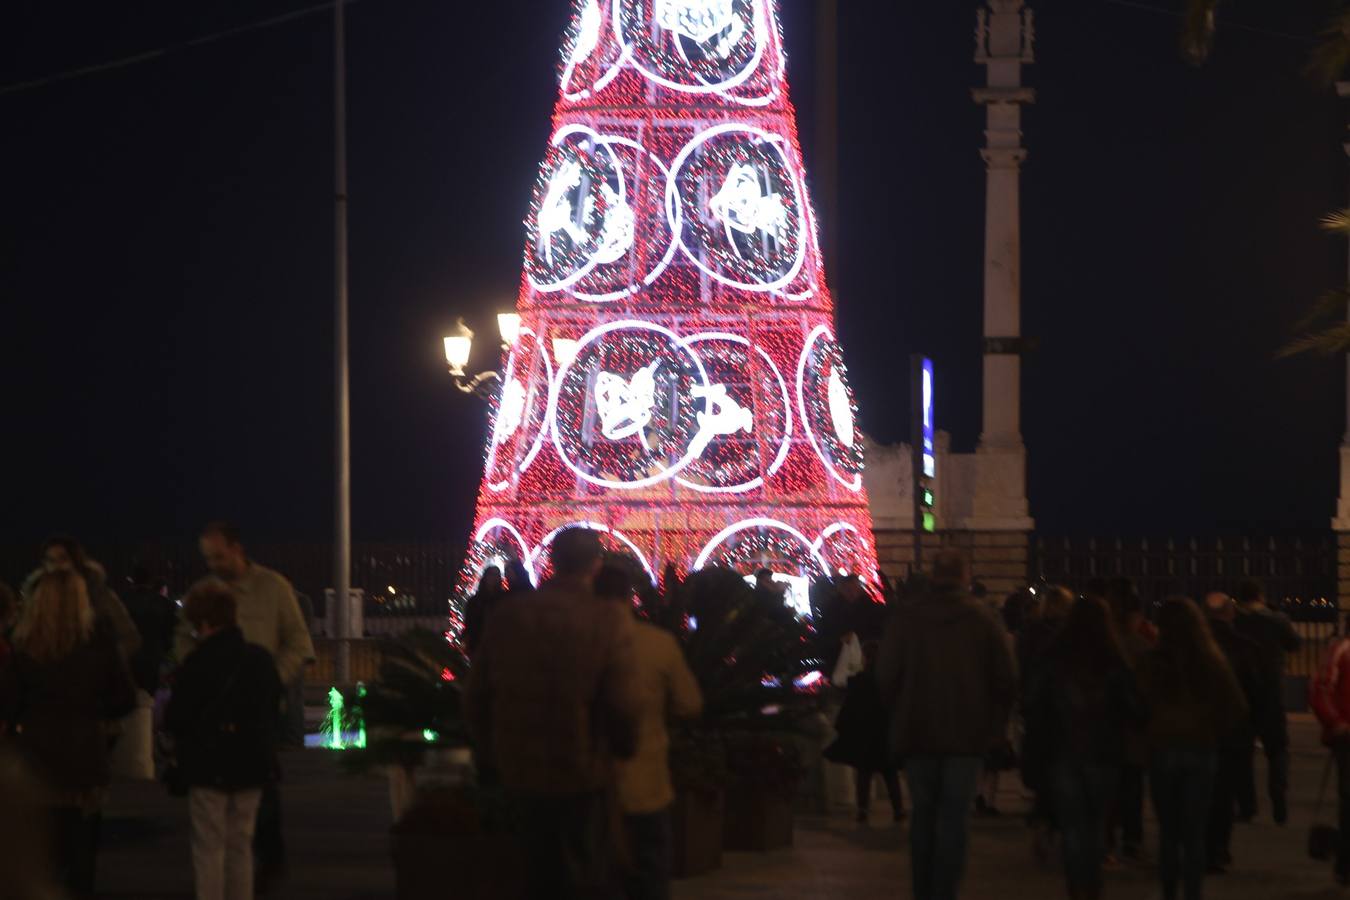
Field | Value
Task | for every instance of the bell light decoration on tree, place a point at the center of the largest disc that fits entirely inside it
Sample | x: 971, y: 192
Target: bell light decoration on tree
x: 675, y: 382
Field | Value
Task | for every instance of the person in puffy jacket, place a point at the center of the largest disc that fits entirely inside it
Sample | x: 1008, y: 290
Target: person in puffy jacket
x: 222, y: 716
x: 1329, y: 696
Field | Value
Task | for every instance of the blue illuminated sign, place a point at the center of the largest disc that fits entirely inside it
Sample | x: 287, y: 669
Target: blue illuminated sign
x: 929, y: 449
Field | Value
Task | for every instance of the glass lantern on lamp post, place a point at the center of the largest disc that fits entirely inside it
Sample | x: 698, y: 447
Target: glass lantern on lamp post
x: 459, y: 344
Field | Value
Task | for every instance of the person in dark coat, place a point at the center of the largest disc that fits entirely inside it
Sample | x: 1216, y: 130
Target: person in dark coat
x: 222, y: 716
x: 156, y: 618
x: 1137, y: 638
x: 1032, y: 644
x: 947, y: 680
x: 1194, y: 703
x: 861, y: 743
x: 69, y: 682
x: 479, y: 606
x: 1244, y: 656
x: 1276, y: 636
x: 1082, y: 699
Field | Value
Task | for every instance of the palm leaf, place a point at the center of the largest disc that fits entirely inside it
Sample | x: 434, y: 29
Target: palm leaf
x: 1326, y: 342
x: 1197, y: 32
x: 1338, y: 221
x: 1329, y: 58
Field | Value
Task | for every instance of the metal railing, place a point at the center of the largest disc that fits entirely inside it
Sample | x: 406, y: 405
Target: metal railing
x: 1297, y: 572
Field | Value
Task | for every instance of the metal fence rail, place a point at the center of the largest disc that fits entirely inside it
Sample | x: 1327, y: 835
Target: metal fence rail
x: 422, y: 573
x: 1298, y: 572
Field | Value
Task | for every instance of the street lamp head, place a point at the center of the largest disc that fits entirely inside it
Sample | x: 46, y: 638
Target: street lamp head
x: 564, y: 350
x: 508, y: 323
x: 457, y: 346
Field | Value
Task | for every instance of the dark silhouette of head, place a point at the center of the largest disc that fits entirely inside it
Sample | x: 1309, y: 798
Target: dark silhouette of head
x: 1250, y: 592
x: 950, y: 570
x: 577, y: 553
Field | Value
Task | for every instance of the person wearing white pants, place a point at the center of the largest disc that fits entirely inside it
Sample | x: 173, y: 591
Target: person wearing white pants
x: 222, y: 841
x: 223, y: 715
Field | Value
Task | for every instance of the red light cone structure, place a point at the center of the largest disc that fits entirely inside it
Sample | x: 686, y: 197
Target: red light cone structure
x: 676, y: 383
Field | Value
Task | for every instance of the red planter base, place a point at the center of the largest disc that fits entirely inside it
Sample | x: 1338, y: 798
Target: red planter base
x: 757, y: 821
x: 697, y: 822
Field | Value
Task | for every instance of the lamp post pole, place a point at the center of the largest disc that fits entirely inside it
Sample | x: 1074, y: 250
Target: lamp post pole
x: 342, y: 507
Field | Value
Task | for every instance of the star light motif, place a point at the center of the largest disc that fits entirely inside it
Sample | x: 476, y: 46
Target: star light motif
x: 698, y: 20
x: 616, y: 235
x: 557, y: 214
x: 625, y: 405
x: 742, y: 204
x: 721, y: 415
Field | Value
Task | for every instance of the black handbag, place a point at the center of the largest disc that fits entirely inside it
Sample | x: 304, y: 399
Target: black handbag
x: 1323, y: 839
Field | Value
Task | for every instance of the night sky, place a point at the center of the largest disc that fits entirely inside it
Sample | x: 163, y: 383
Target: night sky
x: 166, y: 257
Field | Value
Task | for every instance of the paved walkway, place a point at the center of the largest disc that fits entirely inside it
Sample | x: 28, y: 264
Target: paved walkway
x: 337, y: 830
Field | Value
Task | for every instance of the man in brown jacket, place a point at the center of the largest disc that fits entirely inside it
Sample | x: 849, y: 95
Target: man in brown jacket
x: 552, y: 704
x: 947, y: 678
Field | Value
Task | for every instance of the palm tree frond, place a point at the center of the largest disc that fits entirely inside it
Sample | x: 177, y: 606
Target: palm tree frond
x: 1338, y: 221
x: 1329, y: 58
x: 1332, y: 304
x: 1197, y: 33
x: 1327, y: 342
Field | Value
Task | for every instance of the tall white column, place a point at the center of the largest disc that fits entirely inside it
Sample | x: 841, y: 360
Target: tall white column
x: 1004, y: 37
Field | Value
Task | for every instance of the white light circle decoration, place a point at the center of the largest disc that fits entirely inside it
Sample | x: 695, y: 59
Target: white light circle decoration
x: 733, y: 199
x: 618, y: 536
x: 521, y: 413
x: 843, y: 547
x: 694, y: 46
x: 621, y: 411
x: 823, y: 407
x: 796, y: 543
x: 594, y: 227
x: 751, y: 382
x: 593, y: 55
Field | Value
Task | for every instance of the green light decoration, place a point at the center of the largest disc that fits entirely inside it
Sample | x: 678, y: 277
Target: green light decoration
x: 335, y: 738
x: 430, y: 736
x: 929, y: 522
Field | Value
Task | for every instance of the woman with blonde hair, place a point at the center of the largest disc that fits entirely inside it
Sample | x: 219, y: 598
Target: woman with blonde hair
x: 69, y: 682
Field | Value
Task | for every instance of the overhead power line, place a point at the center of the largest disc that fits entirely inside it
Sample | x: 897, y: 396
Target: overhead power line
x: 166, y: 50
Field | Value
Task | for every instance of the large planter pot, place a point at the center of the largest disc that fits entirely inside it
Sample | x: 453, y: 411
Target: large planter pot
x: 697, y: 823
x: 445, y: 845
x: 757, y: 820
x: 467, y: 867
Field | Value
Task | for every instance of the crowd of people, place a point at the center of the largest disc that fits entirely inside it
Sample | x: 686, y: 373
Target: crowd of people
x: 571, y: 695
x: 1094, y: 702
x: 85, y: 674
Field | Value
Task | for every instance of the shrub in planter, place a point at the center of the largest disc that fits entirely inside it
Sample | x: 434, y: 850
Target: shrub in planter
x: 741, y: 758
x: 765, y: 772
x: 698, y: 769
x: 451, y: 837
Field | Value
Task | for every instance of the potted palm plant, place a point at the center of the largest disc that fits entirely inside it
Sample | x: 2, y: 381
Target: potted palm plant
x: 742, y: 757
x: 449, y: 831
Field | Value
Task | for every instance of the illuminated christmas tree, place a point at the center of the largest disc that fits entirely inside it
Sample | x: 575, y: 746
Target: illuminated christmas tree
x: 676, y: 383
